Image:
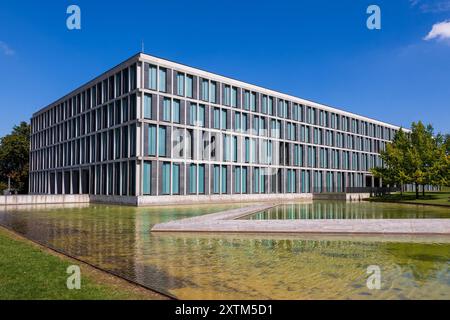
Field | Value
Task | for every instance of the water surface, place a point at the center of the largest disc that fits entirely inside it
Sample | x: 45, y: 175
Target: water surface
x: 350, y: 210
x: 237, y: 266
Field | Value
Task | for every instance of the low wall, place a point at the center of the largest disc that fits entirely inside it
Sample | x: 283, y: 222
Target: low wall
x: 43, y: 199
x: 120, y: 200
x: 341, y: 196
x: 170, y: 200
x: 192, y: 199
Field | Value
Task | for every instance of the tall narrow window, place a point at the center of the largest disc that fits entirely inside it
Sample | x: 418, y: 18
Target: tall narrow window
x: 175, y: 179
x: 180, y: 84
x: 189, y: 86
x: 166, y: 109
x: 205, y: 90
x: 192, y: 114
x: 162, y: 79
x: 216, y: 118
x: 152, y: 140
x: 264, y: 104
x: 212, y: 91
x: 235, y: 148
x: 216, y: 178
x: 201, y: 178
x: 147, y: 106
x: 226, y: 148
x: 244, y: 180
x: 193, y: 178
x: 234, y: 97
x: 224, y: 179
x: 247, y: 149
x: 253, y: 101
x: 237, y: 180
x: 223, y: 119
x: 147, y: 181
x: 201, y: 115
x: 162, y: 141
x: 226, y: 95
x: 152, y: 77
x: 165, y: 178
x: 176, y: 111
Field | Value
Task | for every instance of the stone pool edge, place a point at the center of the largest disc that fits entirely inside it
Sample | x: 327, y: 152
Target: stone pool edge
x: 225, y: 222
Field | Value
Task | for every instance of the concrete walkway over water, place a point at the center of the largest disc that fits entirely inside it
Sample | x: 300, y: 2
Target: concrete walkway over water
x: 226, y: 222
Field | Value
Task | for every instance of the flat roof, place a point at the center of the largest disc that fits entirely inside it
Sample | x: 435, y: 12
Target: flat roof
x: 220, y: 78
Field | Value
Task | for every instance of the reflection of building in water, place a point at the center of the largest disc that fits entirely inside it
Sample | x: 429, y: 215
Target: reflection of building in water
x: 152, y: 128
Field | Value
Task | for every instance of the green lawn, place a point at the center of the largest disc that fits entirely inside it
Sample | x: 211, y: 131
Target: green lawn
x: 28, y: 271
x: 430, y: 198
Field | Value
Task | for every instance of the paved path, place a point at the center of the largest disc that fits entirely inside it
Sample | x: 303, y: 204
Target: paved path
x: 225, y: 222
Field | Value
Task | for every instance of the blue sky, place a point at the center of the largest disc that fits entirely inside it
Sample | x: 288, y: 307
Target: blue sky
x: 319, y: 50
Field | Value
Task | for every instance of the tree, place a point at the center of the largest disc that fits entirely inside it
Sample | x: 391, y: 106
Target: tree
x: 396, y: 167
x: 417, y: 157
x: 14, y: 157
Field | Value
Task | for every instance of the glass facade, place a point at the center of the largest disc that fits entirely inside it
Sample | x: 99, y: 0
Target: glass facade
x: 235, y: 138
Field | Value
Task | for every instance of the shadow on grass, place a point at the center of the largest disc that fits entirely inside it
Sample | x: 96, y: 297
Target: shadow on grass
x: 436, y: 198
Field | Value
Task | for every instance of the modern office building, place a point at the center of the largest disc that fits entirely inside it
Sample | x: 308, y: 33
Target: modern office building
x: 151, y: 131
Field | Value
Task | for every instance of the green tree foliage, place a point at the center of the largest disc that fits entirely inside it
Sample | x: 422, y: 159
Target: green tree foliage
x: 14, y: 158
x: 418, y: 157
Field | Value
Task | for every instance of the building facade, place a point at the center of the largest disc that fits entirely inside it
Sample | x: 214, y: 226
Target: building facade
x: 151, y: 130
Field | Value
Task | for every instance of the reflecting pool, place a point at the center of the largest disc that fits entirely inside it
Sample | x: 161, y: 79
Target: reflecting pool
x: 350, y: 210
x: 238, y: 266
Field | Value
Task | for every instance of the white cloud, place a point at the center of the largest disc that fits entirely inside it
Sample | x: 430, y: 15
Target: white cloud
x: 440, y: 30
x: 431, y: 6
x: 5, y: 49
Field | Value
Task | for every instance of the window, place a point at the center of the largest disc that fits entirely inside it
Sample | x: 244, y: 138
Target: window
x: 234, y: 97
x: 224, y: 179
x: 247, y: 149
x: 237, y: 179
x: 244, y: 179
x: 147, y: 106
x: 151, y: 140
x: 205, y: 89
x: 237, y: 121
x: 264, y: 104
x: 253, y: 101
x: 223, y: 118
x: 180, y: 84
x: 193, y: 178
x: 152, y: 77
x: 147, y: 183
x: 192, y: 114
x: 166, y: 109
x: 201, y: 178
x: 226, y: 95
x: 165, y: 178
x: 216, y: 178
x: 162, y: 79
x: 176, y: 111
x: 201, y: 115
x: 212, y: 95
x: 216, y: 124
x: 235, y: 148
x: 189, y: 86
x: 256, y: 180
x: 226, y: 148
x: 244, y: 122
x: 246, y: 100
x: 162, y: 141
x: 270, y: 106
x: 175, y: 179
